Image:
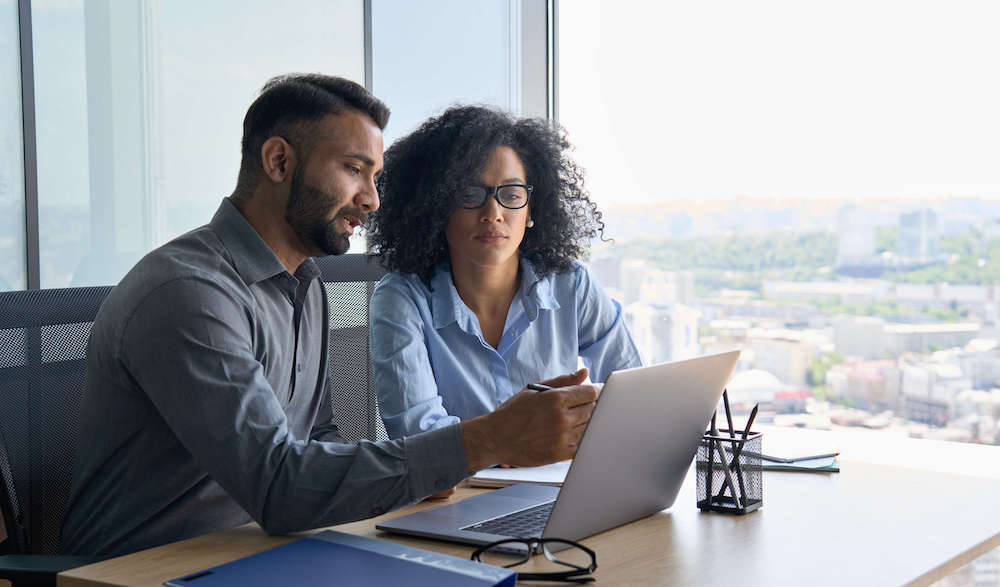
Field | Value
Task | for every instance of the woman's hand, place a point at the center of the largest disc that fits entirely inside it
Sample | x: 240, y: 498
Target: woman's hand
x: 568, y: 379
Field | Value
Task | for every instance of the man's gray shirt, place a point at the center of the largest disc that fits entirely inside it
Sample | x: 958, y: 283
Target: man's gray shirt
x: 206, y: 406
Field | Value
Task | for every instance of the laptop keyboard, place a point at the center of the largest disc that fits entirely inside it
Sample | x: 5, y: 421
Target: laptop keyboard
x: 527, y: 523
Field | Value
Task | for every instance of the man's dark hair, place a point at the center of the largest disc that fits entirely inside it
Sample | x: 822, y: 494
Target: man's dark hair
x: 288, y: 104
x: 425, y: 171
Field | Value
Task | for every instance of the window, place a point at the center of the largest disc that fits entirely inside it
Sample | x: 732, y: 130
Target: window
x: 12, y: 257
x: 140, y: 106
x: 458, y: 52
x: 815, y: 184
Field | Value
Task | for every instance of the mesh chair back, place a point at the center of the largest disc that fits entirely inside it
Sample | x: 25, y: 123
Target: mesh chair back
x: 349, y: 281
x: 43, y: 341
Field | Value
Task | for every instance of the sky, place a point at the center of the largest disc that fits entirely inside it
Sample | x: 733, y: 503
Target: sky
x: 782, y: 98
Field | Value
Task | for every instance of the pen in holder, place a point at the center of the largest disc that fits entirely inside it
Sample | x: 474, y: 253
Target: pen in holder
x: 729, y: 471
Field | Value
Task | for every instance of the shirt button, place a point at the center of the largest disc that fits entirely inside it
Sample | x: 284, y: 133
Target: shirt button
x: 440, y: 484
x: 298, y: 367
x: 377, y: 511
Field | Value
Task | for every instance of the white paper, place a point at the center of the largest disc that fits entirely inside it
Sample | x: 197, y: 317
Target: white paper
x: 553, y: 474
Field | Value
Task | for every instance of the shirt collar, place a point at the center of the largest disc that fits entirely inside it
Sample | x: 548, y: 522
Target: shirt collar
x: 536, y: 291
x: 447, y: 306
x: 253, y: 259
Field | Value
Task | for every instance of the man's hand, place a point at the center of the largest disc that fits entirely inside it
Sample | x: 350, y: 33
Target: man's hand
x: 441, y: 495
x: 532, y: 428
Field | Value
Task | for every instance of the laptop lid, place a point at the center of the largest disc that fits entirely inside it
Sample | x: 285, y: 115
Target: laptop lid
x: 639, y: 444
x: 631, y: 462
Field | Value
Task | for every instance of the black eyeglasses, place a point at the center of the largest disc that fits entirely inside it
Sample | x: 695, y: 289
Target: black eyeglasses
x: 512, y: 552
x: 510, y: 195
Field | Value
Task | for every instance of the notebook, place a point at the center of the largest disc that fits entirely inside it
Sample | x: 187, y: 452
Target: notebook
x: 335, y: 558
x: 791, y: 445
x: 553, y: 474
x: 631, y: 462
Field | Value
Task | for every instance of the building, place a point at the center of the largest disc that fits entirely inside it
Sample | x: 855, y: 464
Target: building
x: 874, y: 338
x: 901, y: 338
x: 870, y: 385
x: 980, y: 361
x: 664, y: 332
x: 683, y: 286
x: 631, y: 276
x: 981, y: 409
x: 929, y: 390
x: 607, y: 270
x: 855, y: 237
x: 785, y: 353
x: 925, y: 410
x: 946, y: 293
x: 859, y: 336
x: 918, y: 236
x: 784, y: 312
x: 755, y: 386
x: 847, y: 292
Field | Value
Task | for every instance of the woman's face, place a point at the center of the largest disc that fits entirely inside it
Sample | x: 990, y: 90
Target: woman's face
x: 489, y: 236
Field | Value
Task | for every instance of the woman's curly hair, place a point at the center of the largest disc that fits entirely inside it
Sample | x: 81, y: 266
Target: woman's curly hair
x: 425, y: 171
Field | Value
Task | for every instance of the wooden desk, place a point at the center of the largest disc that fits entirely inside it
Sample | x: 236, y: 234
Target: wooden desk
x: 867, y: 525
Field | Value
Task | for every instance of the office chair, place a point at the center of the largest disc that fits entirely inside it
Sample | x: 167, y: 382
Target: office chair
x: 349, y: 281
x: 43, y: 340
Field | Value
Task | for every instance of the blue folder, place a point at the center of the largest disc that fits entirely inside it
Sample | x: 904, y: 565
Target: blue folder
x: 335, y: 558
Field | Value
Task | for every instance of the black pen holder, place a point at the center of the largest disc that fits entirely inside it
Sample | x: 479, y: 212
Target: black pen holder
x: 730, y: 473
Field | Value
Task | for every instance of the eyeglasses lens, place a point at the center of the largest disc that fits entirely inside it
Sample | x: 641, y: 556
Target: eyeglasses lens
x: 472, y: 197
x: 513, y: 196
x: 560, y: 556
x: 505, y: 555
x: 509, y: 196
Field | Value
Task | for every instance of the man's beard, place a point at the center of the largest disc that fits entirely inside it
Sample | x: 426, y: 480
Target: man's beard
x: 307, y: 212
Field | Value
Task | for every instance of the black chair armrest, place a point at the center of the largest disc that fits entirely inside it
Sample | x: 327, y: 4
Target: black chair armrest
x: 39, y: 569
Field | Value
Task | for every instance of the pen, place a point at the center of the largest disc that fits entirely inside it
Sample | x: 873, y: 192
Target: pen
x: 711, y: 459
x: 729, y: 414
x: 735, y: 453
x: 739, y: 449
x: 746, y: 430
x: 727, y: 477
x: 538, y: 387
x: 753, y: 414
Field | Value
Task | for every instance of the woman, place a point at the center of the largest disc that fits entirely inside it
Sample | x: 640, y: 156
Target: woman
x: 482, y: 219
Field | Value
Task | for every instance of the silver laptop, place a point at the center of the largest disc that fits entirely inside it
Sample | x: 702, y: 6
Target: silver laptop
x: 631, y: 462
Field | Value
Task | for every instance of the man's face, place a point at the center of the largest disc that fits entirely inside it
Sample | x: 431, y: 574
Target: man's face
x: 332, y: 189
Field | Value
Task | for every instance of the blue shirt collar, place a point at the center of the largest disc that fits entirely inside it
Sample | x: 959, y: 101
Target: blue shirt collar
x: 535, y: 292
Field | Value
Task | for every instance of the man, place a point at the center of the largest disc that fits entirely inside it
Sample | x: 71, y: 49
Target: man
x: 206, y: 405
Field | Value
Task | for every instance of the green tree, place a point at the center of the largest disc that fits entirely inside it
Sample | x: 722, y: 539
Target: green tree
x: 819, y: 366
x: 886, y: 239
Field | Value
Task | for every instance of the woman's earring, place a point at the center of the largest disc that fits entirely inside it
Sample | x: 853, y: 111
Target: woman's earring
x: 530, y: 223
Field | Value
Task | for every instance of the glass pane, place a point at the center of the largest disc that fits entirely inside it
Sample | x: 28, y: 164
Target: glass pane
x: 12, y: 257
x: 430, y: 55
x: 64, y: 222
x: 140, y: 108
x: 830, y: 207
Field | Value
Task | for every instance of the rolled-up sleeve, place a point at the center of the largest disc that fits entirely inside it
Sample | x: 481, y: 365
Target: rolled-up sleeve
x: 214, y: 396
x: 408, y: 395
x: 605, y: 343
